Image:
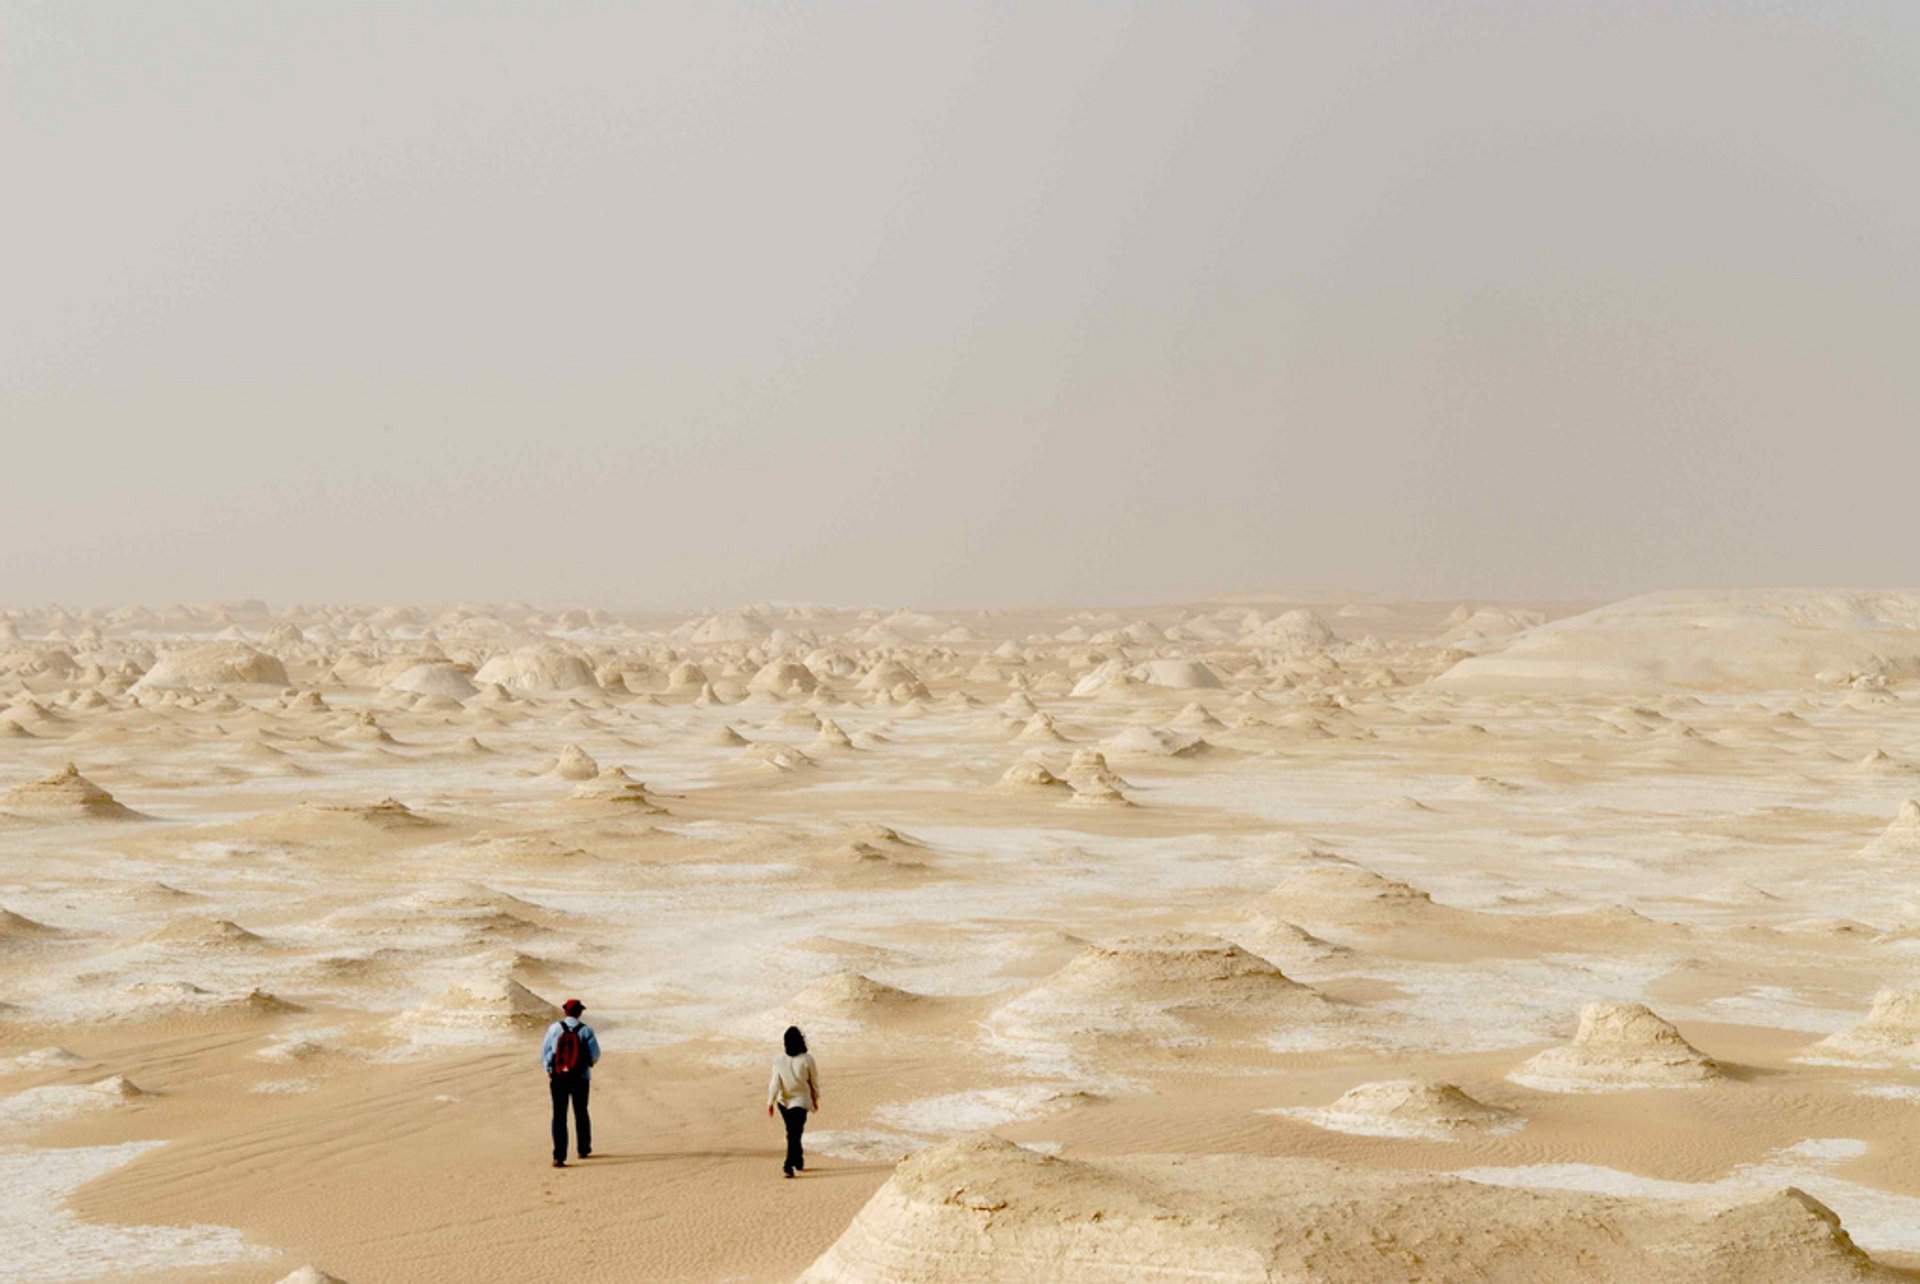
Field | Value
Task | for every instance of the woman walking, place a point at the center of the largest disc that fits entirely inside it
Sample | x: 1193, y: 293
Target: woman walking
x: 795, y: 1089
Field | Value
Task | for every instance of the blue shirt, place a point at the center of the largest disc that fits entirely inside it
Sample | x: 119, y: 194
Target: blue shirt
x: 587, y: 1037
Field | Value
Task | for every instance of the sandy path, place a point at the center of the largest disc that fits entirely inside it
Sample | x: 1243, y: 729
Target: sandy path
x: 380, y: 1180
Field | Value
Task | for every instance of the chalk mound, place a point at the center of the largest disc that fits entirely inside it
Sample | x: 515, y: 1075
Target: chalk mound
x: 1878, y: 762
x: 1098, y: 793
x: 1184, y: 969
x: 871, y: 851
x: 1891, y: 1032
x: 298, y: 1049
x: 481, y: 914
x: 1902, y: 836
x: 1414, y: 1108
x: 1198, y: 718
x: 310, y: 1275
x: 832, y: 736
x: 784, y: 680
x: 614, y: 787
x: 1619, y: 1046
x: 725, y: 737
x: 1089, y: 767
x: 65, y: 795
x: 538, y: 669
x: 1171, y: 990
x: 1153, y: 742
x: 743, y: 625
x: 1289, y: 944
x: 981, y: 1209
x: 1734, y: 639
x: 1333, y: 888
x: 203, y: 935
x: 1028, y: 774
x: 486, y: 1003
x: 217, y: 664
x: 339, y: 822
x: 1040, y: 729
x: 1177, y: 675
x: 782, y: 758
x: 441, y: 680
x: 1292, y: 632
x: 147, y: 999
x: 1485, y: 628
x: 851, y: 1001
x: 116, y: 1088
x: 574, y: 763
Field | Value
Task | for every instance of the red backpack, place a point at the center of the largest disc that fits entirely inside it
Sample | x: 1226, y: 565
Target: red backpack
x: 570, y: 1052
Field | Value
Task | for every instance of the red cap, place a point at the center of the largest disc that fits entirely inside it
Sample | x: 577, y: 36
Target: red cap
x: 573, y: 1007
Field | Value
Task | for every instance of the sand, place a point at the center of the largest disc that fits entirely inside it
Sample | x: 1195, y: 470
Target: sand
x: 1294, y: 940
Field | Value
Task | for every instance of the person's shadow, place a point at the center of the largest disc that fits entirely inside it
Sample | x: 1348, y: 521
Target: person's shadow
x: 617, y: 1159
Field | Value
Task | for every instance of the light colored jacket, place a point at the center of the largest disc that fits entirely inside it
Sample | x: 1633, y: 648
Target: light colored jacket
x: 587, y: 1038
x: 795, y: 1082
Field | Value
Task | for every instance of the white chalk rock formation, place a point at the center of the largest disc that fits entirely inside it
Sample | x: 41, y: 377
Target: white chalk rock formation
x: 1891, y: 1032
x: 443, y: 680
x: 1418, y: 1108
x: 310, y: 1275
x: 615, y: 787
x: 539, y: 668
x: 985, y: 1211
x: 1028, y: 774
x: 1178, y: 675
x: 217, y: 664
x: 1618, y: 1046
x: 784, y: 679
x: 65, y: 795
x: 1752, y: 639
x: 1155, y: 742
x: 1902, y: 836
x: 1160, y: 989
x: 574, y: 763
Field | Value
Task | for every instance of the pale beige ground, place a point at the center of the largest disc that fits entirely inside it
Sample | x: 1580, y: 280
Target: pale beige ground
x: 1418, y: 879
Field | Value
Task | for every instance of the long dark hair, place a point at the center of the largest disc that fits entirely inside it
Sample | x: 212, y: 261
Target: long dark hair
x: 796, y: 1041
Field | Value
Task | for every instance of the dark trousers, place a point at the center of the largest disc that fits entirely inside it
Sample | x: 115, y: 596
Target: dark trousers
x: 795, y: 1118
x: 565, y: 1088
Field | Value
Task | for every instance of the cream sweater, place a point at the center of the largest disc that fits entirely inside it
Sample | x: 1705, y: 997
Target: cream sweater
x: 795, y: 1081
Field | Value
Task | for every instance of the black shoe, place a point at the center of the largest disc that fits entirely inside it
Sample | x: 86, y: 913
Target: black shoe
x: 787, y: 1169
x: 802, y: 1165
x: 586, y: 1154
x: 559, y: 1163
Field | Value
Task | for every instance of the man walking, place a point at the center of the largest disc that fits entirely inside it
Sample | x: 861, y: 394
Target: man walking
x: 567, y: 1056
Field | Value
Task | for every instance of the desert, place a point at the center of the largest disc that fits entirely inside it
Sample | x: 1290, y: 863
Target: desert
x: 1348, y: 933
x: 960, y: 643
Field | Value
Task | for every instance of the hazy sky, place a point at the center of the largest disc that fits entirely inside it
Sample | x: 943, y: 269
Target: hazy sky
x: 955, y: 304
